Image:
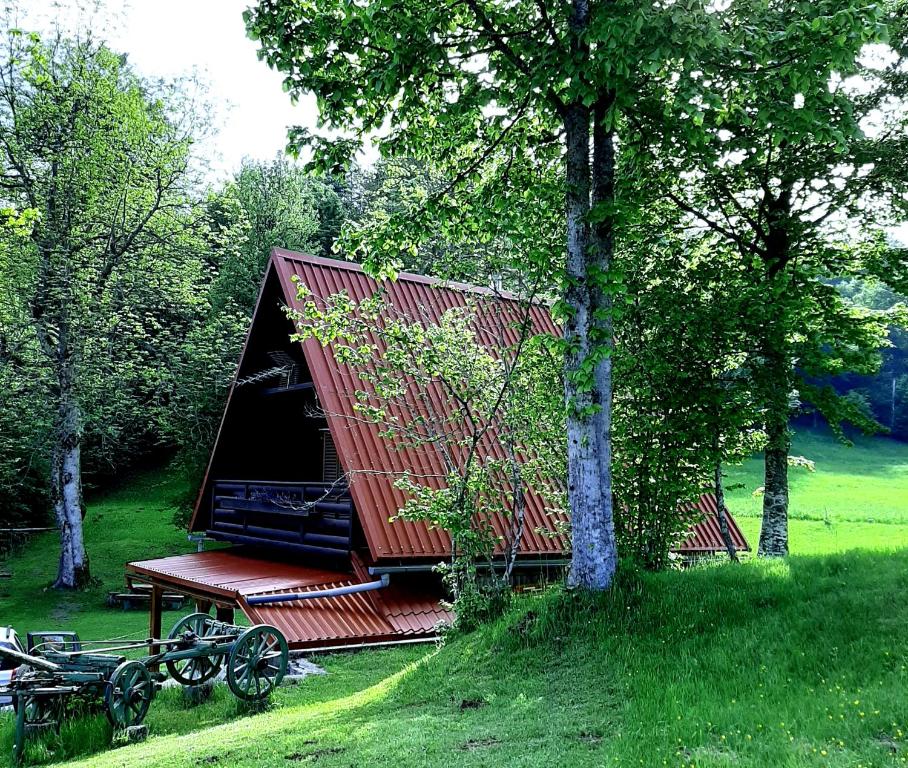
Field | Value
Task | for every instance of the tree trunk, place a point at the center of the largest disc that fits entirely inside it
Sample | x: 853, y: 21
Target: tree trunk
x: 774, y: 530
x: 777, y: 380
x: 594, y: 558
x: 66, y: 489
x: 722, y: 515
x: 602, y: 339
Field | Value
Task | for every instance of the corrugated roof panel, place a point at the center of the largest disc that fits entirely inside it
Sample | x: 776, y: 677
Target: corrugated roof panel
x: 706, y: 535
x: 369, y: 459
x: 233, y: 575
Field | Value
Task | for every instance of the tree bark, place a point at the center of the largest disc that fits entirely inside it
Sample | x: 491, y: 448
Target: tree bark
x: 66, y: 488
x: 778, y: 383
x: 722, y: 515
x: 774, y: 530
x: 594, y: 557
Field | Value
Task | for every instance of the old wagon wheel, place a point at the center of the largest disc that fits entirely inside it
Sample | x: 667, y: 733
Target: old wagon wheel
x: 31, y: 711
x: 129, y: 693
x: 198, y: 669
x: 38, y: 709
x: 257, y: 663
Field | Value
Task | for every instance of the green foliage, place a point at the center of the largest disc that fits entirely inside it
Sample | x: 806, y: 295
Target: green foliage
x: 885, y: 391
x: 784, y: 159
x: 274, y: 204
x: 683, y: 397
x: 265, y: 205
x: 97, y: 275
x: 433, y: 385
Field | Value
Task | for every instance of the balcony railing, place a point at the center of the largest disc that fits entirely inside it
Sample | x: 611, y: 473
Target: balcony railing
x: 312, y: 518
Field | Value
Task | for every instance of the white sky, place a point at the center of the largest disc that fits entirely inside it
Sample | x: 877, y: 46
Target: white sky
x: 173, y: 38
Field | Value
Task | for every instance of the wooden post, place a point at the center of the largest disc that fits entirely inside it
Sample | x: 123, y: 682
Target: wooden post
x: 154, y: 617
x: 202, y: 606
x: 225, y: 613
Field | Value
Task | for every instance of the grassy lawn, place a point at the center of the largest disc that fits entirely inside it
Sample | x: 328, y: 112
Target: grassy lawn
x: 802, y: 663
x: 797, y: 664
x: 132, y: 522
x: 866, y: 482
x: 856, y: 499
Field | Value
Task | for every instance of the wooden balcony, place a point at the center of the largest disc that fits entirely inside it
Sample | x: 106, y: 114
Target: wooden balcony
x: 310, y: 518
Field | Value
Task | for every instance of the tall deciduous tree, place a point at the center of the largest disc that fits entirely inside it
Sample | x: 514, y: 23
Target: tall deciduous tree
x: 102, y: 160
x: 786, y: 156
x: 479, y: 87
x: 281, y: 206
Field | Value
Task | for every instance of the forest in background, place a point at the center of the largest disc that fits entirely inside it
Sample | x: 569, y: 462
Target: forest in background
x: 128, y: 282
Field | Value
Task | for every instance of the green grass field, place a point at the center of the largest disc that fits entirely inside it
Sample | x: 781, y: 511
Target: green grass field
x: 132, y: 522
x: 856, y: 499
x: 801, y: 663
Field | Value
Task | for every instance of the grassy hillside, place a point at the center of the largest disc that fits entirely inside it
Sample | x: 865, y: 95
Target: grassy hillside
x: 797, y: 663
x: 132, y: 522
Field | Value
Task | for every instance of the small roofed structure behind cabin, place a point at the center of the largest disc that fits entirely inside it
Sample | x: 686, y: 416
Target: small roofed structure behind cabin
x: 303, y: 487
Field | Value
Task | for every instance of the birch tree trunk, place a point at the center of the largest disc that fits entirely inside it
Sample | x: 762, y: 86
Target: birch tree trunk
x: 600, y: 258
x: 66, y: 487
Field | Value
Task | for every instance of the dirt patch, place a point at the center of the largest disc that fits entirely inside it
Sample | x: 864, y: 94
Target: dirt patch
x: 313, y: 755
x: 473, y: 744
x: 590, y: 737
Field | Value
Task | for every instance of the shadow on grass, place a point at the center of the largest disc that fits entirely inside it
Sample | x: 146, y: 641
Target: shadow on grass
x: 752, y: 665
x: 172, y: 715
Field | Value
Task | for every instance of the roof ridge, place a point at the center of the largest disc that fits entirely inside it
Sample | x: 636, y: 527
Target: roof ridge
x: 410, y: 277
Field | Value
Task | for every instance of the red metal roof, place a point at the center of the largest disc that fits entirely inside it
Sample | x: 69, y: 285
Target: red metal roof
x: 402, y: 611
x: 372, y: 463
x: 706, y: 536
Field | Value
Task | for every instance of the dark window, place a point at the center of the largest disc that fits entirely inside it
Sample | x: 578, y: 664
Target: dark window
x: 330, y: 465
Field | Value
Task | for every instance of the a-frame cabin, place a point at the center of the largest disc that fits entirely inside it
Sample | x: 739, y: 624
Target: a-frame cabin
x: 303, y: 490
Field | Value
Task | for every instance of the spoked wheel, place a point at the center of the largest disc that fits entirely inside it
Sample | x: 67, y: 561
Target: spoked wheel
x: 129, y: 694
x: 257, y: 663
x: 31, y: 712
x: 198, y: 669
x: 38, y: 709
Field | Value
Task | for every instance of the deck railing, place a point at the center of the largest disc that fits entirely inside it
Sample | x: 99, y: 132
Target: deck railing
x: 314, y: 518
